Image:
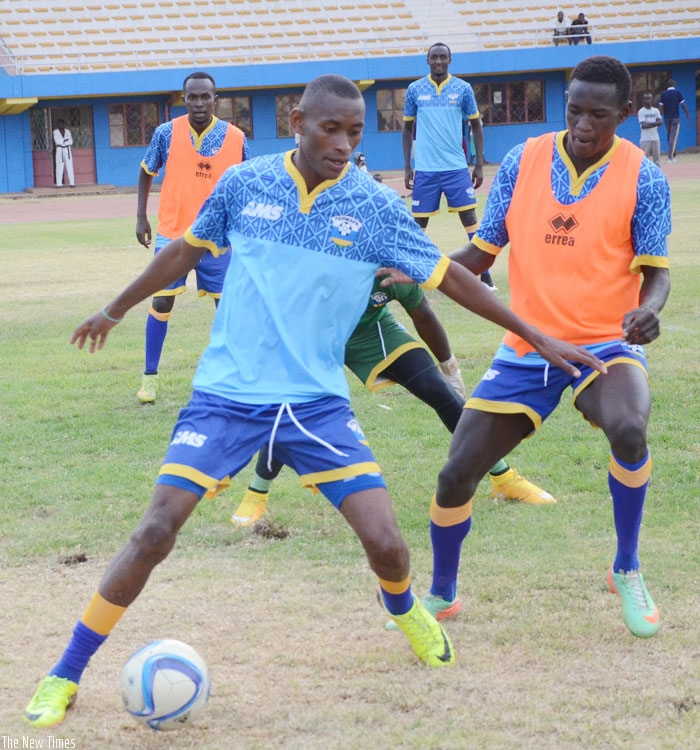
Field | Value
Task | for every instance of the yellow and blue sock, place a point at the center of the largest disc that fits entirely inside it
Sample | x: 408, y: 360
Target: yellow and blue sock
x: 156, y: 331
x: 396, y: 595
x: 448, y: 529
x: 89, y: 634
x: 628, y: 485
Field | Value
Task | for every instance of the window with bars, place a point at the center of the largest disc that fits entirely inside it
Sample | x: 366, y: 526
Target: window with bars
x: 132, y: 124
x: 237, y: 110
x: 390, y: 104
x: 284, y: 104
x: 510, y: 102
x: 643, y: 82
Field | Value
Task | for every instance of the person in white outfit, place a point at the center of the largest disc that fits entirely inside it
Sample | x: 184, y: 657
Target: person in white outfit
x: 63, y: 141
x: 649, y: 121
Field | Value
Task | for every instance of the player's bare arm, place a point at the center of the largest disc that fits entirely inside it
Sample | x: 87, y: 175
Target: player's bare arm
x: 472, y: 258
x: 642, y: 325
x: 478, y: 133
x: 143, y: 227
x: 407, y: 144
x: 431, y: 330
x: 461, y: 285
x: 176, y: 259
x: 469, y: 256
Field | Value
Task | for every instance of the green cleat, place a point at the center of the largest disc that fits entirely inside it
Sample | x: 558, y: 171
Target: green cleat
x: 54, y: 696
x: 251, y: 508
x: 426, y: 636
x: 148, y: 390
x: 638, y: 609
x: 438, y: 607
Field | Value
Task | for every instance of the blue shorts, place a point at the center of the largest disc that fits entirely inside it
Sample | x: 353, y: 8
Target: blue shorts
x: 210, y: 273
x: 510, y: 387
x: 214, y: 438
x: 428, y: 188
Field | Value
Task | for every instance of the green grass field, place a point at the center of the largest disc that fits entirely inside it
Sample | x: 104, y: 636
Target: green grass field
x: 289, y: 626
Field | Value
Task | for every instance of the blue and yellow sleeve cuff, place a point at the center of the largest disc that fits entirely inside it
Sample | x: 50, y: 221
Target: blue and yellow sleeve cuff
x: 437, y: 275
x: 195, y: 241
x: 147, y: 170
x: 487, y: 247
x: 656, y: 261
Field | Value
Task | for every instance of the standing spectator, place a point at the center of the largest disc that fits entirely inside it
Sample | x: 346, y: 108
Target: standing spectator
x: 63, y: 140
x: 581, y: 29
x: 670, y: 103
x: 360, y: 161
x: 561, y: 30
x: 649, y: 121
x: 437, y: 107
x: 196, y: 149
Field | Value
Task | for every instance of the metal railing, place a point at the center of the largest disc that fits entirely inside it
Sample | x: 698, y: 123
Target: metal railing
x: 90, y: 59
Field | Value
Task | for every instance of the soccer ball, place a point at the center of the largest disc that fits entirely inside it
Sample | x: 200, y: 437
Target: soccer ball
x: 165, y: 684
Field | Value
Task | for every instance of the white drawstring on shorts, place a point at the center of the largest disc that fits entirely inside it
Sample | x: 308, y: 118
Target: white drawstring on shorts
x: 287, y: 407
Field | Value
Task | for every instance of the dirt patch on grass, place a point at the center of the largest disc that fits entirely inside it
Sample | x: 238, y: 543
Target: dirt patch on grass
x: 299, y: 659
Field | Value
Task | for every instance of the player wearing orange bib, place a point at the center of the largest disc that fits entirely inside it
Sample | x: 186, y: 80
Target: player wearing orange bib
x: 576, y: 206
x: 195, y: 149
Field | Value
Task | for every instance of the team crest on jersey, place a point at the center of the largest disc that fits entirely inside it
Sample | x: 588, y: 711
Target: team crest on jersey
x: 379, y: 299
x: 453, y: 98
x: 344, y: 230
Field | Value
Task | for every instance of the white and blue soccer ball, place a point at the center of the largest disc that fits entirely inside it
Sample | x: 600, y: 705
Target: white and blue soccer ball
x: 165, y: 684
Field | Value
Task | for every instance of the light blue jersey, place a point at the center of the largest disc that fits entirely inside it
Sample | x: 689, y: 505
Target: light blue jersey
x: 300, y: 275
x: 440, y: 112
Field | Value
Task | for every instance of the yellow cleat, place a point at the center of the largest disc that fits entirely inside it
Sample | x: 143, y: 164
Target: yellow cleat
x: 251, y: 508
x: 426, y: 636
x: 54, y: 696
x: 511, y: 486
x: 149, y: 388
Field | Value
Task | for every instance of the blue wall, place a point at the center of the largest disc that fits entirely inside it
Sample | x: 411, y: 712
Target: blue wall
x: 16, y: 172
x: 262, y: 82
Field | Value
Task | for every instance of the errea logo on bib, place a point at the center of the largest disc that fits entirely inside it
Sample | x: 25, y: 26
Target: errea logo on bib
x: 262, y: 211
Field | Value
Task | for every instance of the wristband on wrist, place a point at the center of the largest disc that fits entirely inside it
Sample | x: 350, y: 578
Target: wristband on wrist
x: 450, y: 365
x: 108, y: 317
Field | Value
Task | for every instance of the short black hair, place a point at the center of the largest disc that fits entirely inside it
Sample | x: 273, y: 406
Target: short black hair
x: 329, y: 84
x: 604, y: 69
x: 440, y: 44
x: 198, y: 75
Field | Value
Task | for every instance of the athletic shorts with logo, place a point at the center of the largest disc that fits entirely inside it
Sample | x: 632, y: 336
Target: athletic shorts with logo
x: 210, y: 272
x: 511, y: 387
x: 428, y: 188
x: 215, y: 438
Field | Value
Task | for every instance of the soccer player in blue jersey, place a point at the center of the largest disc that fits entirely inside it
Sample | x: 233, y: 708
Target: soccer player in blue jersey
x: 577, y: 207
x: 436, y: 109
x: 310, y: 231
x: 195, y: 149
